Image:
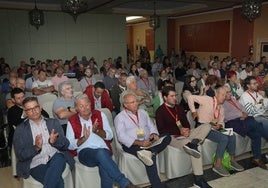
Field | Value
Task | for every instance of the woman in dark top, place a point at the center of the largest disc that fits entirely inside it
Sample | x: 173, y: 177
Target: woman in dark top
x: 189, y: 88
x: 133, y: 71
x: 212, y: 82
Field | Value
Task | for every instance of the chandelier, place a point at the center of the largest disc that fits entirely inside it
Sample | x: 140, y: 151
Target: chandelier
x: 154, y: 20
x: 36, y: 17
x: 251, y: 9
x: 74, y: 7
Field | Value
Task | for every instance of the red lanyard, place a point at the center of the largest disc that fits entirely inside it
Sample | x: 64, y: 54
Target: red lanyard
x: 255, y: 99
x: 233, y: 104
x: 87, y: 81
x: 215, y: 106
x: 147, y: 85
x: 136, y: 123
x: 172, y: 115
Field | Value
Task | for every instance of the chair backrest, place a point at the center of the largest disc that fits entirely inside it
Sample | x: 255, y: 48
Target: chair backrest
x: 42, y: 99
x: 190, y: 119
x: 47, y: 106
x: 109, y: 116
x: 178, y: 88
x: 97, y: 77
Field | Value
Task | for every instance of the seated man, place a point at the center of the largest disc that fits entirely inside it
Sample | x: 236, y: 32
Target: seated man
x: 63, y: 107
x: 210, y: 111
x: 254, y: 103
x: 42, y: 85
x: 90, y: 134
x: 40, y: 147
x: 171, y: 119
x: 15, y: 115
x: 135, y: 129
x: 116, y: 91
x: 145, y: 84
x: 236, y: 117
x: 99, y: 97
x: 58, y: 78
x: 109, y: 80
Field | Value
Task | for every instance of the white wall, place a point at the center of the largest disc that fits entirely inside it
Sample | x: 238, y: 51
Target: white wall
x: 100, y: 36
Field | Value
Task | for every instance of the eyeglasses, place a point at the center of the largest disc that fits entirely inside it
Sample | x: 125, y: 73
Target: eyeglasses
x: 193, y: 80
x: 32, y: 109
x: 254, y: 83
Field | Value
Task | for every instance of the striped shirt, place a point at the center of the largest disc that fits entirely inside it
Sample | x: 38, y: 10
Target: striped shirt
x: 47, y: 150
x: 252, y: 103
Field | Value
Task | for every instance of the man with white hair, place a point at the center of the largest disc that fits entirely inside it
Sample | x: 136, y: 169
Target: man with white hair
x: 63, y: 107
x: 89, y: 134
x: 143, y: 98
x: 145, y: 84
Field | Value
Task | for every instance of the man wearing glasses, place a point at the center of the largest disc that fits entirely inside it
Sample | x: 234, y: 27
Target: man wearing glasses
x: 40, y: 147
x: 254, y: 103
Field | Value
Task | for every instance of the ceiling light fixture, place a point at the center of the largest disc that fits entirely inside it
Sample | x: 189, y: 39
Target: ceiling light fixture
x: 154, y: 20
x: 36, y: 17
x: 251, y: 9
x: 74, y: 7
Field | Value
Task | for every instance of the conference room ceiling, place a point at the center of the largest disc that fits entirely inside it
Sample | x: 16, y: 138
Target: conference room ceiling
x: 171, y: 8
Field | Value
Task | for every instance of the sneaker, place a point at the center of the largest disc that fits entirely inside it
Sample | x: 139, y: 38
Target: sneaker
x: 201, y: 183
x: 221, y: 171
x: 192, y: 150
x: 236, y: 166
x: 146, y: 157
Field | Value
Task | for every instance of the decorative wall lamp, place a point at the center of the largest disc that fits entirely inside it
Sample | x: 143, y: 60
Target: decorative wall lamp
x: 251, y: 9
x: 36, y: 17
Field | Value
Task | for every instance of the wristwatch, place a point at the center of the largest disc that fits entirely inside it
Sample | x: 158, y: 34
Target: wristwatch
x: 69, y: 108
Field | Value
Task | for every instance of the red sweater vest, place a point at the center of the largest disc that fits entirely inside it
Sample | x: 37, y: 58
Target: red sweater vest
x: 77, y: 128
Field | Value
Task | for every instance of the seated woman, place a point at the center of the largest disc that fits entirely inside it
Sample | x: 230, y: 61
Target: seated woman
x: 163, y: 75
x: 234, y: 85
x: 189, y: 88
x: 133, y: 71
x: 211, y: 82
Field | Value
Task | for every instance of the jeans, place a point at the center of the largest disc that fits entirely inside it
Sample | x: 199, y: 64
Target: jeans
x: 224, y: 143
x: 264, y: 127
x: 252, y: 129
x: 108, y: 170
x: 50, y: 174
x: 151, y: 170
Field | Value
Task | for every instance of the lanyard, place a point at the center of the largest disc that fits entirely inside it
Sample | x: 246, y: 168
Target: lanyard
x: 255, y: 99
x: 233, y: 104
x: 147, y: 85
x: 87, y: 81
x: 215, y: 106
x: 172, y: 115
x: 136, y: 123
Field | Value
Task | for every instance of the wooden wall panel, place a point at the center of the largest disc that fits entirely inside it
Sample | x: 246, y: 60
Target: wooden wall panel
x: 149, y: 38
x: 205, y: 37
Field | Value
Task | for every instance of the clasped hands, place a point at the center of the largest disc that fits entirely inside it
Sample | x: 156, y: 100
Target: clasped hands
x: 148, y: 142
x: 39, y: 139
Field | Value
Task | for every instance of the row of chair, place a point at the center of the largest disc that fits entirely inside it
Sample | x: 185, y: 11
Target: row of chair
x: 172, y: 161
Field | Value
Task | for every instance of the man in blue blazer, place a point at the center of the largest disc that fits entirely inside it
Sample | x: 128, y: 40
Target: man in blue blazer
x: 40, y: 147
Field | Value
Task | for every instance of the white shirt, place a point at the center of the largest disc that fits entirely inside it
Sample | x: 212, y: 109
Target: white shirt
x: 94, y: 141
x: 40, y: 84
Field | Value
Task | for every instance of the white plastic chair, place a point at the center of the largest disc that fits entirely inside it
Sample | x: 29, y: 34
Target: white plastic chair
x: 85, y: 176
x: 42, y: 99
x: 47, y: 106
x: 66, y: 175
x: 178, y: 88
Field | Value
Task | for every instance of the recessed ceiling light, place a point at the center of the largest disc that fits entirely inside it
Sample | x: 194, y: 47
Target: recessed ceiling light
x: 131, y: 18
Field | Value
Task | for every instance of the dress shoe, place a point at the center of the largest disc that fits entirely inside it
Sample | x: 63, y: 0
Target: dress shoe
x: 259, y: 163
